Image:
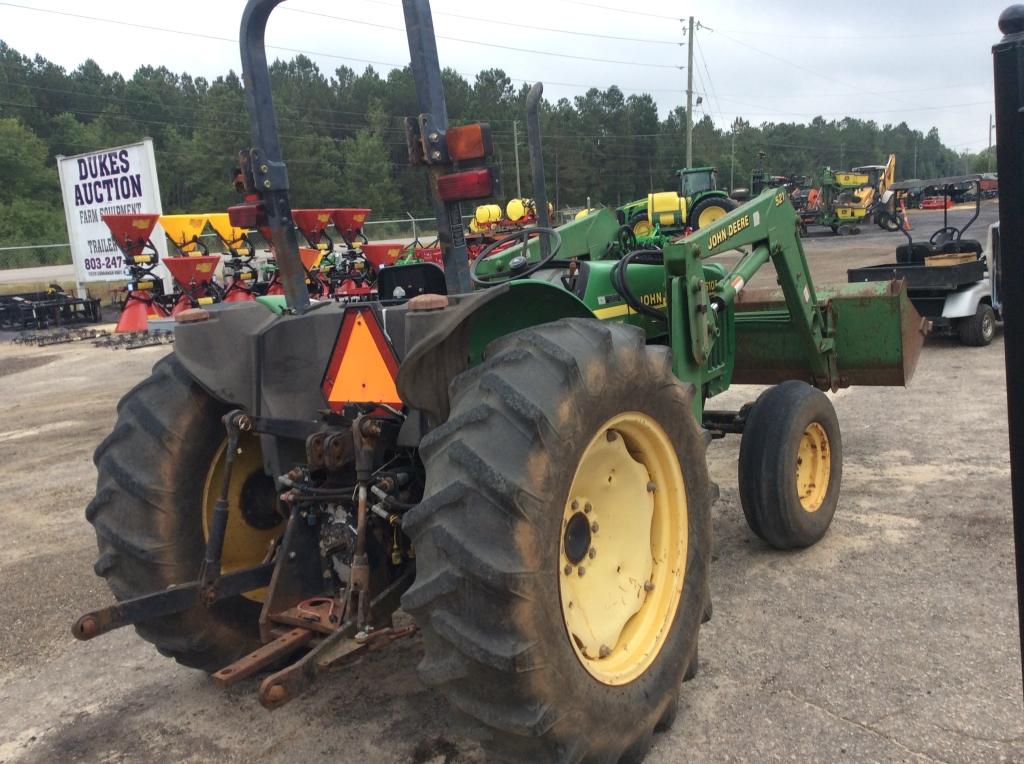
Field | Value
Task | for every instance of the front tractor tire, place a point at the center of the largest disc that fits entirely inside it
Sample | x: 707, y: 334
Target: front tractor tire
x: 790, y: 465
x: 156, y: 469
x: 563, y: 543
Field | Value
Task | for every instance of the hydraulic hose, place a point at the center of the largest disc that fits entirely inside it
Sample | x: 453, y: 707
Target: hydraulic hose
x: 621, y: 284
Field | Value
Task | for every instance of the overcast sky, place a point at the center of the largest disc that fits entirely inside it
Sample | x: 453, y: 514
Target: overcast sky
x: 926, y: 63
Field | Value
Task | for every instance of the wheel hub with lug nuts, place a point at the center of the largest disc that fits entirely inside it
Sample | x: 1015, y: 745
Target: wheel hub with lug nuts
x: 813, y: 465
x: 623, y: 548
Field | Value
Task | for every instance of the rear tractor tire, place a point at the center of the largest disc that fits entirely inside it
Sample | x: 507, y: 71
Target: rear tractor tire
x: 563, y: 544
x: 158, y: 479
x: 790, y: 465
x: 978, y: 330
x: 708, y: 210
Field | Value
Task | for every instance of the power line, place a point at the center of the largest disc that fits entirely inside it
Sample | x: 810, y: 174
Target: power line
x: 629, y: 11
x: 762, y: 34
x: 504, y: 23
x: 798, y: 66
x: 826, y: 93
x: 484, y: 44
x: 333, y: 55
x: 700, y: 52
x: 845, y: 114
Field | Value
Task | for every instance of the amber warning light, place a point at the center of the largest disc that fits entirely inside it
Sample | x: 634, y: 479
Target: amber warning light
x: 469, y: 142
x: 363, y: 366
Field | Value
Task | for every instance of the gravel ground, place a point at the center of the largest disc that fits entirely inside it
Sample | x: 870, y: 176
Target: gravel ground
x: 893, y: 639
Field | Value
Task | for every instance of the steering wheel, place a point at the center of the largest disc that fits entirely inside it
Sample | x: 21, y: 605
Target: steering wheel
x: 519, y: 266
x: 940, y: 237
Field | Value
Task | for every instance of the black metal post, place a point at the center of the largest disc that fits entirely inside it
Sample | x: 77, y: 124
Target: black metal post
x: 540, y: 194
x: 426, y: 72
x: 1008, y: 62
x: 268, y: 167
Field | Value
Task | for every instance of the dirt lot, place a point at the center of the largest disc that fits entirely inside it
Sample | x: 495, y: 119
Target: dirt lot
x: 894, y: 639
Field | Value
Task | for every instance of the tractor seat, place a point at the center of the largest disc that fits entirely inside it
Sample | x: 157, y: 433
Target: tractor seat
x: 914, y: 254
x: 963, y: 245
x: 410, y: 280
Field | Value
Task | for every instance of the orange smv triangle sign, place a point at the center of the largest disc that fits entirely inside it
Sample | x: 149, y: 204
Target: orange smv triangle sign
x: 362, y: 368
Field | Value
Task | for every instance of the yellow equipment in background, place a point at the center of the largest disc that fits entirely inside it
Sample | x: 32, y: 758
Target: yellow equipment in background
x: 666, y: 209
x: 861, y: 187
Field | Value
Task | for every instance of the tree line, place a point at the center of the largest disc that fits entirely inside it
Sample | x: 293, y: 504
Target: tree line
x: 344, y: 140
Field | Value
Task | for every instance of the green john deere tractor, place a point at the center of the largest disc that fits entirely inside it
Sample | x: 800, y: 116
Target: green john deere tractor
x: 520, y: 466
x: 705, y: 203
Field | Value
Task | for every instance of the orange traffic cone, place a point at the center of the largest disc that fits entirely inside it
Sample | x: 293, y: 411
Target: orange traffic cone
x: 906, y: 218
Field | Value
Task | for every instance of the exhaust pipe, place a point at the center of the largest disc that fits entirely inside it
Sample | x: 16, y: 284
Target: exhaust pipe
x: 540, y: 197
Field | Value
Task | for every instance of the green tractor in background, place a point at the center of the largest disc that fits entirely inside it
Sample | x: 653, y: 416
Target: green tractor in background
x: 705, y: 203
x: 512, y: 453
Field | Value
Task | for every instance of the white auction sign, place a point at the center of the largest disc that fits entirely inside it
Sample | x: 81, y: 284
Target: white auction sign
x: 121, y: 180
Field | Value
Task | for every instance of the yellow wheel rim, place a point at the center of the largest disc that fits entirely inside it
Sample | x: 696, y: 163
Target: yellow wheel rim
x: 622, y: 560
x: 813, y: 465
x: 642, y: 229
x: 252, y: 520
x: 709, y: 215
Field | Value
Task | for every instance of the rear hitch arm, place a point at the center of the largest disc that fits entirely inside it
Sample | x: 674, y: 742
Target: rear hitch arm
x: 177, y: 599
x: 211, y: 586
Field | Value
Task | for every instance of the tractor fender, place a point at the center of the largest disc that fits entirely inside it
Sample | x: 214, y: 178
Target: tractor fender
x: 964, y: 302
x: 442, y: 344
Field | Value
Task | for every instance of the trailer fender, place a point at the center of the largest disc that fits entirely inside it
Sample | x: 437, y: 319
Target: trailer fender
x: 964, y: 302
x: 441, y: 344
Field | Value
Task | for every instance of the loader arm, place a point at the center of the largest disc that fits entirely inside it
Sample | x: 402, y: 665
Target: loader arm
x: 764, y: 229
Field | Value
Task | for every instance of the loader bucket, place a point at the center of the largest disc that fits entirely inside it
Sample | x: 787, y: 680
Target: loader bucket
x: 221, y: 223
x: 312, y: 223
x: 185, y: 270
x: 131, y: 232
x: 183, y: 230
x: 383, y: 254
x: 878, y: 335
x: 349, y: 221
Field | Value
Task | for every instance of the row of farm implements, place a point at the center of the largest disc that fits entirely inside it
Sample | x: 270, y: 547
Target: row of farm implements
x: 340, y: 262
x: 47, y: 309
x: 228, y: 264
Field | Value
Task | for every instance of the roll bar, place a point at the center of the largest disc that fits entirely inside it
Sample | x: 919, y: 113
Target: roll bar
x: 263, y: 166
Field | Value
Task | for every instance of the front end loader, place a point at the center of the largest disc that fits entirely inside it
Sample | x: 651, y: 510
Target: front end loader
x: 513, y: 453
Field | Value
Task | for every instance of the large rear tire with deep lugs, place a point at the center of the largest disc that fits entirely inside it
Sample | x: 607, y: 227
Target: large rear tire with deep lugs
x: 156, y: 471
x: 709, y: 210
x: 563, y: 543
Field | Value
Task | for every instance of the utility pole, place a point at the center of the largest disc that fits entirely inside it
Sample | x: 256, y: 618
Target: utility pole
x: 991, y: 127
x: 915, y: 160
x: 557, y: 205
x: 842, y: 155
x: 732, y: 161
x: 515, y: 146
x: 689, y: 96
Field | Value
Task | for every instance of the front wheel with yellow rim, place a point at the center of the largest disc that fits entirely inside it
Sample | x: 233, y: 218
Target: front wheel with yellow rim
x: 641, y: 225
x: 563, y: 543
x: 790, y: 465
